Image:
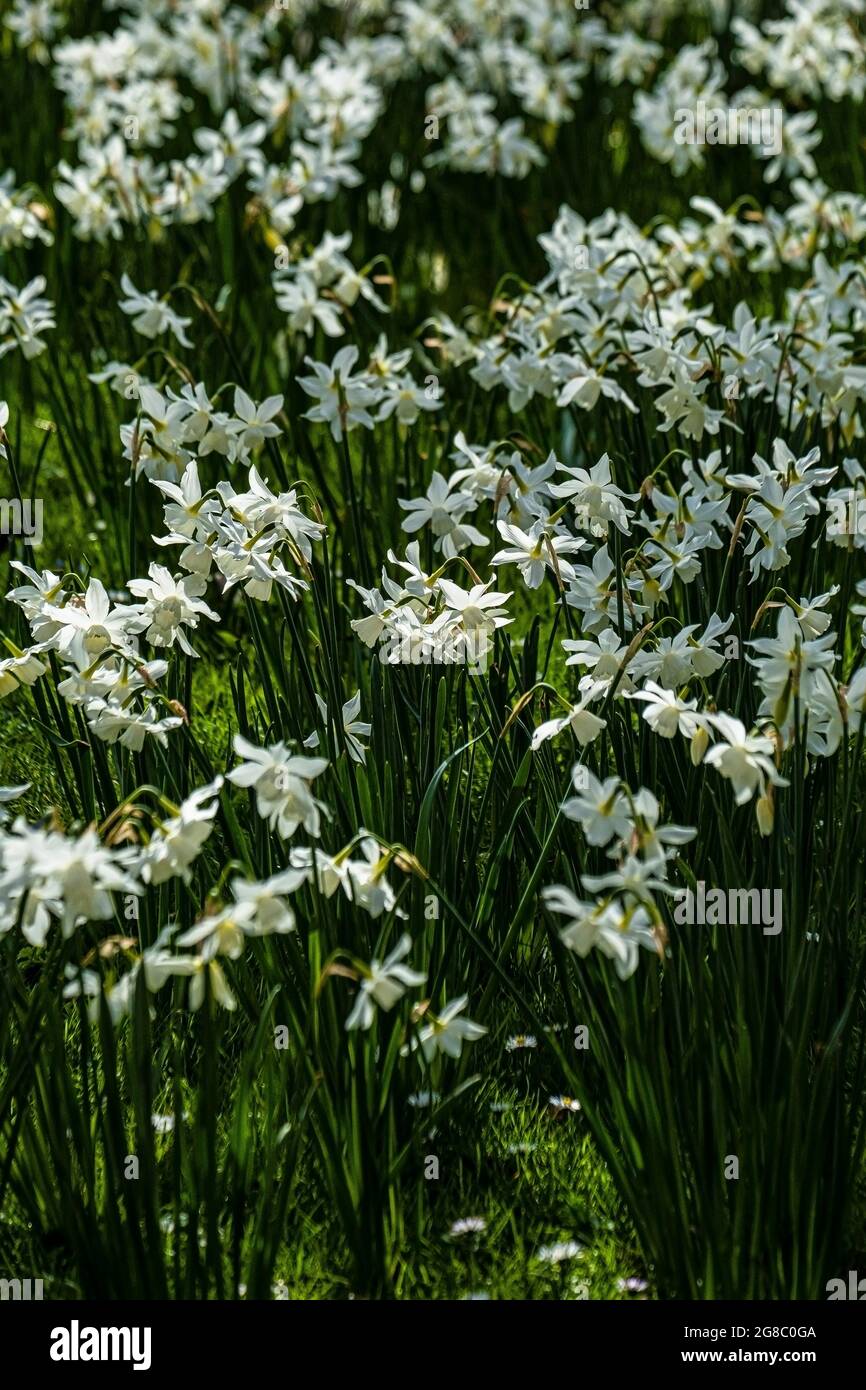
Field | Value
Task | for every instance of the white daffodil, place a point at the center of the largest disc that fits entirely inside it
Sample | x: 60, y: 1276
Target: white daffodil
x: 150, y: 315
x: 665, y: 713
x: 706, y: 659
x: 442, y: 508
x: 634, y: 878
x: 608, y: 927
x: 477, y: 613
x: 647, y: 836
x: 536, y: 551
x: 68, y: 877
x: 595, y: 497
x: 170, y: 605
x: 22, y: 668
x: 209, y: 971
x: 746, y: 760
x: 43, y: 590
x: 810, y: 613
x: 602, y: 658
x: 116, y: 723
x: 187, y: 512
x: 88, y: 624
x: 383, y: 983
x: 446, y: 1032
x: 262, y: 908
x: 363, y: 880
x: 342, y: 399
x: 281, y: 780
x: 600, y: 807
x: 354, y: 729
x: 179, y: 840
x: 789, y: 659
x: 216, y: 934
x: 585, y: 725
x: 254, y: 423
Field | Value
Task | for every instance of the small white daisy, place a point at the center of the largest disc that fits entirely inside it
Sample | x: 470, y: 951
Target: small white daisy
x: 563, y: 1250
x: 468, y: 1225
x: 560, y: 1103
x: 422, y: 1100
x: 632, y: 1285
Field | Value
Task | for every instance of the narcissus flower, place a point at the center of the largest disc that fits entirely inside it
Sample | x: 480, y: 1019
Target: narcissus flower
x: 746, y: 760
x: 179, y: 839
x: 600, y: 807
x: 383, y: 983
x: 150, y: 315
x: 665, y: 713
x: 536, y: 551
x: 615, y: 931
x: 585, y: 725
x: 170, y: 605
x: 446, y: 1032
x: 281, y: 780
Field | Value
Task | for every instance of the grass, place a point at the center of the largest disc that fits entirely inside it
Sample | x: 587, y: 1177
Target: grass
x: 534, y: 1180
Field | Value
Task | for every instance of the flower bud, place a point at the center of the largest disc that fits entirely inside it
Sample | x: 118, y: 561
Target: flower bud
x: 782, y: 705
x: 765, y: 814
x: 699, y: 745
